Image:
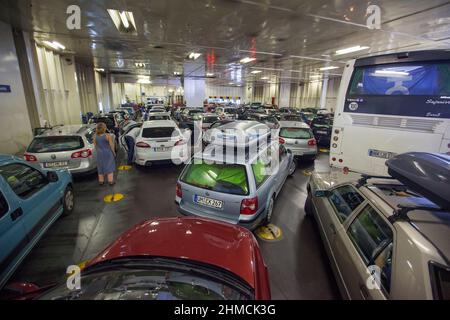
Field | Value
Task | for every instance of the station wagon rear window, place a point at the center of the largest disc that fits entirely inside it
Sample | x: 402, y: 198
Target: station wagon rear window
x: 55, y: 144
x: 295, y: 133
x: 161, y: 132
x: 226, y: 178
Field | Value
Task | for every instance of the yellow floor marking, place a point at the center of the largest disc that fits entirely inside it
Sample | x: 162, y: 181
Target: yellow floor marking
x: 324, y: 150
x: 113, y: 197
x: 307, y: 173
x: 124, y: 168
x: 269, y: 232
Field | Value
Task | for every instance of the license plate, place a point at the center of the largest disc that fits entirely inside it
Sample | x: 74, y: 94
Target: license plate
x: 56, y: 164
x: 208, y: 202
x: 322, y: 132
x: 161, y: 149
x: 381, y: 154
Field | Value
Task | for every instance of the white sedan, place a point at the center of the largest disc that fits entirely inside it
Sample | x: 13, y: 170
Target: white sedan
x: 161, y: 141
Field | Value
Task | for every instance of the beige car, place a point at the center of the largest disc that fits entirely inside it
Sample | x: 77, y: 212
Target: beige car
x: 384, y: 241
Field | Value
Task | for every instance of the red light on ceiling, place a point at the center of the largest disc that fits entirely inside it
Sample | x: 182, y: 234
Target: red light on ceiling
x: 253, y: 48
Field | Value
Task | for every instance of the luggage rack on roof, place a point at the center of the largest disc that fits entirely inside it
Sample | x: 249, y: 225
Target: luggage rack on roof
x: 401, y: 213
x: 364, y: 177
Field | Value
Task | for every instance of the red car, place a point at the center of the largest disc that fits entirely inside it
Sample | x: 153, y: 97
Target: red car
x: 172, y: 258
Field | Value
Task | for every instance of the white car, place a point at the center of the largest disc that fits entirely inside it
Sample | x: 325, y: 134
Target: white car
x: 161, y: 141
x: 157, y: 116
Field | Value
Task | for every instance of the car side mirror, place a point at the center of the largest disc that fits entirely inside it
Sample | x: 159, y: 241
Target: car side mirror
x: 52, y: 176
x: 322, y: 193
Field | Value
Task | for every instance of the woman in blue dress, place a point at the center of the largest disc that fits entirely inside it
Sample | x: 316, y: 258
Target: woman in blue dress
x: 104, y: 147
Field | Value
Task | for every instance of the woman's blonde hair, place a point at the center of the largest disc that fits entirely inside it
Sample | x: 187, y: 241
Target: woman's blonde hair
x: 101, y: 128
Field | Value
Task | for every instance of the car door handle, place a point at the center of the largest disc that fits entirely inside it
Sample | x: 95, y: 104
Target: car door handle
x: 333, y: 228
x: 16, y: 214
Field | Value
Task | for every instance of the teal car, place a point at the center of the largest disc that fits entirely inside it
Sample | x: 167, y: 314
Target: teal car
x: 31, y: 199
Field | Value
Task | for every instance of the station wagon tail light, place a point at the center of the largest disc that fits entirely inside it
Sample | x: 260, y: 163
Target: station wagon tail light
x: 179, y: 192
x: 249, y: 206
x: 312, y: 142
x: 142, y: 145
x: 29, y: 157
x: 282, y: 141
x: 82, y: 154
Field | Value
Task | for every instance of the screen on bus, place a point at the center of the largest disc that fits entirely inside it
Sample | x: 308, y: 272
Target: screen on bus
x: 410, y: 89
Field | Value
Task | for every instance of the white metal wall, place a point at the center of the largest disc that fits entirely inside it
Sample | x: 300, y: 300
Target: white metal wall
x: 14, y: 121
x: 87, y: 88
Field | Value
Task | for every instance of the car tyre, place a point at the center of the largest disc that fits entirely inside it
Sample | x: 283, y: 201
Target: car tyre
x: 292, y: 167
x: 269, y: 213
x: 308, y: 206
x: 68, y: 201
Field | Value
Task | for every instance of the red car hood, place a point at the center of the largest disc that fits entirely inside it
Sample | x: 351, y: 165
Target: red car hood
x: 224, y: 245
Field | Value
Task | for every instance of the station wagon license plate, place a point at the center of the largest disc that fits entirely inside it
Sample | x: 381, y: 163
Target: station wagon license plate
x: 56, y: 164
x: 208, y: 202
x: 381, y: 154
x: 161, y: 149
x: 321, y: 132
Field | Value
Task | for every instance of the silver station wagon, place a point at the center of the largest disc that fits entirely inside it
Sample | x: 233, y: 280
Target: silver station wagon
x: 238, y: 187
x: 70, y: 147
x: 387, y: 238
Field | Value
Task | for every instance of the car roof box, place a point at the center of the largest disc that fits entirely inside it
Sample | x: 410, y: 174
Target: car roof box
x: 425, y: 173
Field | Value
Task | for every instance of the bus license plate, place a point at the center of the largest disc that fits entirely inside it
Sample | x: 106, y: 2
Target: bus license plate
x: 208, y: 202
x: 381, y: 154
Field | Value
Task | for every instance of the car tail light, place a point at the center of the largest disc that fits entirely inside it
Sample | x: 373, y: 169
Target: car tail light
x: 179, y: 191
x: 249, y: 206
x: 312, y: 142
x: 334, y: 159
x: 29, y: 157
x: 142, y: 145
x: 180, y: 142
x: 82, y: 154
x: 340, y: 160
x: 282, y: 141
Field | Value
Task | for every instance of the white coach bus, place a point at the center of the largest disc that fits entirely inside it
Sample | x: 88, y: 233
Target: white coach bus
x: 391, y: 104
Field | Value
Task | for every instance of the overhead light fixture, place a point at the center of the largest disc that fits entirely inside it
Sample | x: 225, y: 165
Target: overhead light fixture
x: 194, y: 55
x: 328, y: 68
x: 264, y: 78
x: 99, y: 69
x: 315, y: 76
x: 350, y: 50
x: 176, y: 73
x: 230, y: 83
x: 210, y: 74
x: 123, y: 20
x: 272, y: 69
x: 392, y: 73
x: 256, y: 71
x: 55, y: 45
x: 139, y: 64
x: 247, y: 60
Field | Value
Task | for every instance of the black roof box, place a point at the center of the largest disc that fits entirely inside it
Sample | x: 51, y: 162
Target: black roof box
x: 425, y: 173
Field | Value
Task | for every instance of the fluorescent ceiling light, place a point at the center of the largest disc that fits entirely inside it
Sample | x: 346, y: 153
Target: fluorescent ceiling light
x: 350, y: 50
x: 194, y: 55
x: 144, y: 81
x: 176, y: 73
x: 139, y: 64
x: 55, y: 45
x: 256, y: 71
x: 315, y: 76
x: 273, y: 69
x: 328, y: 68
x: 247, y: 60
x: 264, y: 78
x: 210, y: 74
x: 391, y: 73
x: 123, y: 20
x: 99, y: 69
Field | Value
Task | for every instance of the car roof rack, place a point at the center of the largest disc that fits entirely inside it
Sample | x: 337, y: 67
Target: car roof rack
x: 401, y: 213
x: 364, y: 177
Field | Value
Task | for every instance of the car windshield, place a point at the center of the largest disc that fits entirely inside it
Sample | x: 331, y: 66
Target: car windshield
x: 195, y: 111
x: 55, y: 144
x: 140, y: 281
x: 323, y: 121
x: 210, y: 119
x: 226, y: 178
x: 159, y: 132
x: 290, y: 117
x: 295, y: 133
x: 161, y: 117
